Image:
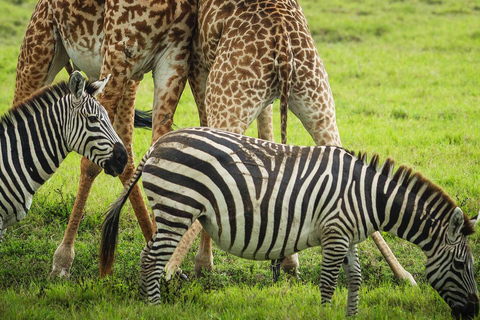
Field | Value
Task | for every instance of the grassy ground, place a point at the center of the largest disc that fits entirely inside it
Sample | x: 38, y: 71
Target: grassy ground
x: 405, y: 79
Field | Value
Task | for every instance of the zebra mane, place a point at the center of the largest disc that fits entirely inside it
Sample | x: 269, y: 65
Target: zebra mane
x: 415, y: 181
x: 53, y: 92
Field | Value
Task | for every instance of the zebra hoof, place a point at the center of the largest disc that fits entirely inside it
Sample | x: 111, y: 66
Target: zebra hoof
x: 180, y: 275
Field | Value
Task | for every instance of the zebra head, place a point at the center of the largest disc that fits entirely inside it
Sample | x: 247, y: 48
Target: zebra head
x: 88, y: 129
x: 450, y: 267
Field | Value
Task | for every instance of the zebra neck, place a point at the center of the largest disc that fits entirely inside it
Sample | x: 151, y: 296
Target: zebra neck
x: 404, y: 214
x: 34, y: 143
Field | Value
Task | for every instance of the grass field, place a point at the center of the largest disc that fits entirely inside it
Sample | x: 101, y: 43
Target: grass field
x: 405, y: 77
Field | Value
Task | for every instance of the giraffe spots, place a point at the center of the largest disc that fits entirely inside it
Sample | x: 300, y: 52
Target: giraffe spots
x: 246, y: 48
x: 142, y: 26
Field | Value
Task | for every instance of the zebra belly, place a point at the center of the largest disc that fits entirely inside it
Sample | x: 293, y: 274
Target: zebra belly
x: 15, y: 214
x: 265, y: 245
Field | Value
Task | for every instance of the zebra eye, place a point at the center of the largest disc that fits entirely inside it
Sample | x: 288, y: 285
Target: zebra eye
x: 93, y: 118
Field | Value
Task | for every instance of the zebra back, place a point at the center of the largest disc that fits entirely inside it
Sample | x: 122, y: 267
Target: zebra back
x: 112, y: 218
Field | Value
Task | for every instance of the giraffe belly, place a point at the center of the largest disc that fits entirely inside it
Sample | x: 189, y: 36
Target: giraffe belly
x: 88, y: 62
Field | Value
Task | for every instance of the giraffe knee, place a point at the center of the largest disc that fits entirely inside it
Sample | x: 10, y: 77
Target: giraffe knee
x: 89, y: 169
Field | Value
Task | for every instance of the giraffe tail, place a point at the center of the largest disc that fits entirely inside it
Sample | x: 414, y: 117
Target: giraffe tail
x: 284, y: 68
x: 112, y: 218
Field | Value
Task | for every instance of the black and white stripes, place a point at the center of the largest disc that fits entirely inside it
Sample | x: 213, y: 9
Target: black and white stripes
x: 264, y: 201
x: 37, y: 134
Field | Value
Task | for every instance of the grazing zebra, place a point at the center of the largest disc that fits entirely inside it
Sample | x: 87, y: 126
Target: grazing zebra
x: 37, y: 134
x: 264, y: 201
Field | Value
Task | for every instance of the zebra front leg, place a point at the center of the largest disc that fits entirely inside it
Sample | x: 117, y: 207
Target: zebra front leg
x: 275, y: 266
x: 351, y: 267
x: 2, y: 231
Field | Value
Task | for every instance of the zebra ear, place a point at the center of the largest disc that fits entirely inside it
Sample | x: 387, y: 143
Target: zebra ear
x: 77, y: 85
x: 98, y: 86
x: 456, y: 223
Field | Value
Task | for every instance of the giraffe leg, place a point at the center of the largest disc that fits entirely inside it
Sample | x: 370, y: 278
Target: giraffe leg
x: 42, y: 54
x: 64, y: 255
x: 265, y: 124
x: 204, y: 256
x: 173, y: 265
x: 124, y: 126
x: 398, y: 270
x: 197, y: 78
x: 169, y: 77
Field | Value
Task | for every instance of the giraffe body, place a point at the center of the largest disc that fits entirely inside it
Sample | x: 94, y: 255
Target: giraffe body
x: 122, y: 38
x: 246, y: 54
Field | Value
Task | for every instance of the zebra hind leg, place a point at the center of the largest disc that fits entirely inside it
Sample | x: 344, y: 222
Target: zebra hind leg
x: 153, y: 259
x: 333, y: 254
x: 353, y: 273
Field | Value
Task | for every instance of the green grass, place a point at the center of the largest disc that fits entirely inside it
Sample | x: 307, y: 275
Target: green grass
x: 406, y: 84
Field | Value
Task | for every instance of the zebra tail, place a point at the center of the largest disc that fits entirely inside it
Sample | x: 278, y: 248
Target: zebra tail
x: 284, y: 66
x: 143, y: 119
x: 112, y: 218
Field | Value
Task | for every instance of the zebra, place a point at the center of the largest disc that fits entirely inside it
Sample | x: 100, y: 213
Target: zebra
x: 37, y: 134
x: 263, y: 201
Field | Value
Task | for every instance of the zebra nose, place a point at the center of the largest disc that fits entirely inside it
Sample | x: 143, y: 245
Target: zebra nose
x: 117, y: 162
x: 120, y: 155
x: 470, y: 310
x: 473, y: 298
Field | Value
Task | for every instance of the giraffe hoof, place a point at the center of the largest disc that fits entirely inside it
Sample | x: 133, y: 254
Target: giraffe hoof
x: 62, y: 261
x: 60, y: 272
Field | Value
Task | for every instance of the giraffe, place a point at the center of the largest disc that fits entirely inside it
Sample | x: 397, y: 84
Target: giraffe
x: 125, y: 39
x: 245, y: 55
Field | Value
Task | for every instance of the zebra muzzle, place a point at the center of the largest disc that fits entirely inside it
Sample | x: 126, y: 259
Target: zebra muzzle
x: 117, y: 162
x: 469, y: 311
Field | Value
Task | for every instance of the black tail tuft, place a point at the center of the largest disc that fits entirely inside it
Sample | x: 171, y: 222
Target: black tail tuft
x: 143, y: 119
x: 109, y: 236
